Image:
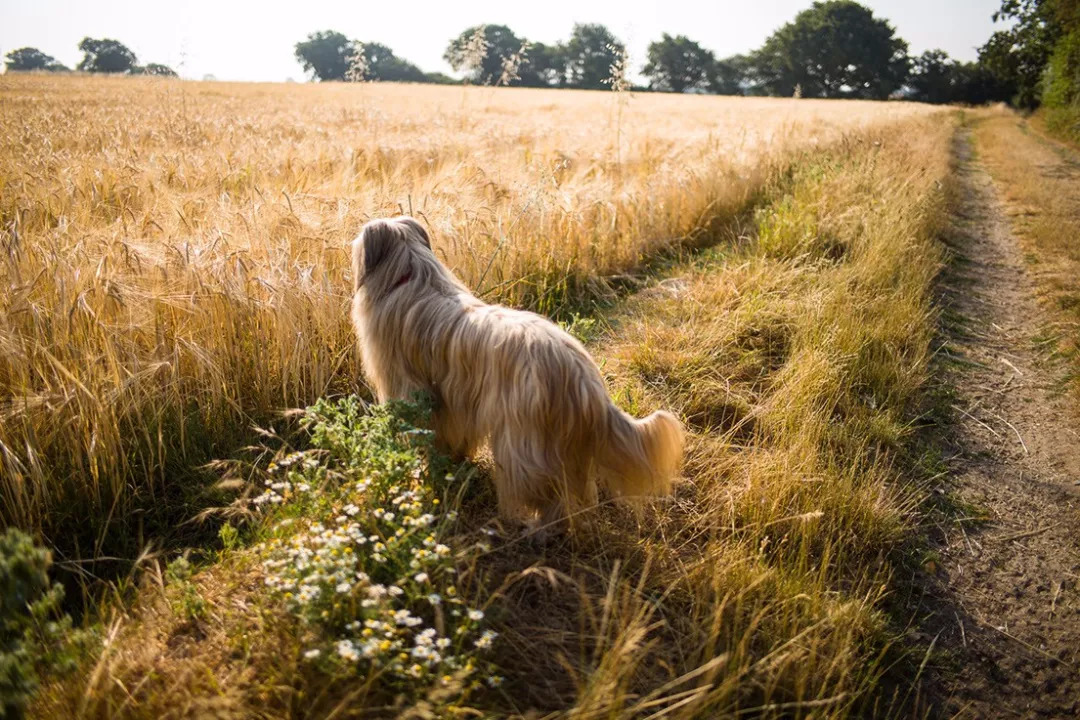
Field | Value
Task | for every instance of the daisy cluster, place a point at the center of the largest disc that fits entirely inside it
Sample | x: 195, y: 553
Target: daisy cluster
x: 299, y: 470
x: 361, y: 556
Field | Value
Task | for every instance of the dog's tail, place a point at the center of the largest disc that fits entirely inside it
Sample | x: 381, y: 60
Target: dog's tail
x: 640, y: 457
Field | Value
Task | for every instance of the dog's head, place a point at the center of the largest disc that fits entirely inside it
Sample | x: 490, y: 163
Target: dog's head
x: 386, y: 252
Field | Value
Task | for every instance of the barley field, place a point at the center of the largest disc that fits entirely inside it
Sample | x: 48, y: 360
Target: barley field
x: 175, y: 279
x: 175, y: 264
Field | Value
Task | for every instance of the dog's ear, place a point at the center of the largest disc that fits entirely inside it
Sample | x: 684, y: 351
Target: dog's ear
x: 416, y: 227
x: 370, y: 249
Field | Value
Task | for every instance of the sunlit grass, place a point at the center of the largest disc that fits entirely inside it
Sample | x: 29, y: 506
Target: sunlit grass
x: 797, y: 350
x: 174, y: 261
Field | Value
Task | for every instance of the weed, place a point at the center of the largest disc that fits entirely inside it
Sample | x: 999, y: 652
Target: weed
x: 36, y: 638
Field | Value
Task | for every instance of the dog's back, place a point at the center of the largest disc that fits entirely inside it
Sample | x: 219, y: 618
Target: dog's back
x: 547, y: 408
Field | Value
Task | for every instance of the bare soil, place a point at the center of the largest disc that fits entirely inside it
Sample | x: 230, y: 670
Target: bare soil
x: 1003, y: 603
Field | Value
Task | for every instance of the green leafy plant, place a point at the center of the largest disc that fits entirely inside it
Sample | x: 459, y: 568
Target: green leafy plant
x: 35, y: 637
x: 185, y: 597
x: 230, y: 537
x: 361, y: 557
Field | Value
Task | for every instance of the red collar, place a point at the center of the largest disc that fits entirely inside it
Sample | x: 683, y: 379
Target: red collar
x: 402, y: 280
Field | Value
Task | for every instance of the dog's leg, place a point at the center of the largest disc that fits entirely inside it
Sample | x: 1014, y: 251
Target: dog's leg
x: 515, y: 485
x: 554, y: 519
x: 566, y: 499
x: 452, y: 434
x: 555, y: 496
x: 400, y: 388
x: 513, y: 503
x: 554, y: 483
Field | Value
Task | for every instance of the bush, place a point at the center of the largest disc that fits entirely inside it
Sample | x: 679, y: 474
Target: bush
x: 1061, y: 93
x: 35, y: 638
x: 361, y: 554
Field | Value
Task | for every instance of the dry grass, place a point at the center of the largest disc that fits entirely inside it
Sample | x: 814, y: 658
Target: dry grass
x: 173, y: 253
x: 799, y: 357
x: 796, y: 350
x: 1040, y: 183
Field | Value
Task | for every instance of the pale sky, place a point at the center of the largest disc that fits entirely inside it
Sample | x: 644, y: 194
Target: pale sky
x: 249, y: 40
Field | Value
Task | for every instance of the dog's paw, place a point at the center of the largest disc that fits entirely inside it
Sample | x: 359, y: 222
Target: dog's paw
x: 542, y: 535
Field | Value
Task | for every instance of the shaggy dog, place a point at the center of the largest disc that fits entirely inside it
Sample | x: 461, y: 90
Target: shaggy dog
x: 509, y: 378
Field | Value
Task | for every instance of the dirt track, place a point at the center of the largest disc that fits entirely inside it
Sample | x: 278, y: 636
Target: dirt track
x: 1004, y: 604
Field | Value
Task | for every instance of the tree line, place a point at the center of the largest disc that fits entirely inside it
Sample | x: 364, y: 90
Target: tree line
x: 484, y: 54
x: 833, y: 49
x: 102, y: 55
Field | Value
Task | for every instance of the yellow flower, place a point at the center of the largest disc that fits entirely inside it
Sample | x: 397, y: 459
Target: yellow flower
x: 384, y: 645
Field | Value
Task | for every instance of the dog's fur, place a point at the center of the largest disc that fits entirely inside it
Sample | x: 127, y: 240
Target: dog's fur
x: 510, y: 378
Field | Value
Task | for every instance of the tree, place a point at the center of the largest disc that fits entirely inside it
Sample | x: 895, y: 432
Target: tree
x: 106, y: 56
x: 935, y: 78
x: 834, y: 49
x: 325, y: 55
x: 384, y: 66
x: 329, y: 55
x: 545, y: 66
x: 590, y: 53
x: 154, y: 69
x: 28, y: 58
x: 1019, y: 55
x: 483, y: 61
x: 678, y: 64
x: 977, y: 85
x: 1061, y: 79
x: 731, y: 76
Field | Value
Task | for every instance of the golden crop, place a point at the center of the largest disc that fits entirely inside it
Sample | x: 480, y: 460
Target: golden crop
x: 174, y: 264
x: 174, y: 270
